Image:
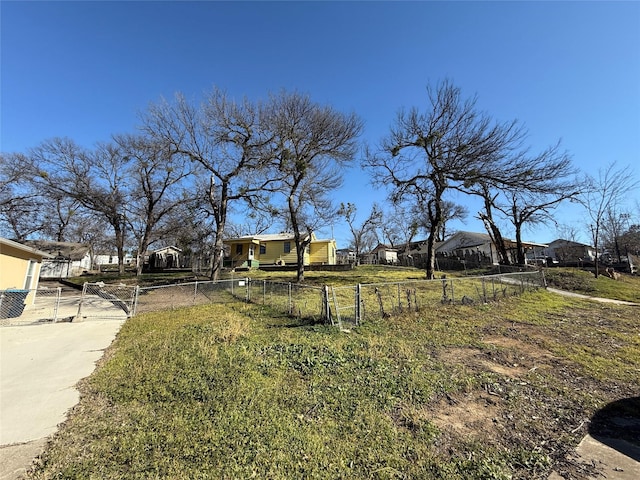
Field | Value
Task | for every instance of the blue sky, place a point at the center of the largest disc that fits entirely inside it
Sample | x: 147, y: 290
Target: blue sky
x: 567, y: 70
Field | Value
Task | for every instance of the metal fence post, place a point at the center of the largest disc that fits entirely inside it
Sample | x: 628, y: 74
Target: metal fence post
x: 84, y: 293
x: 248, y: 289
x: 195, y: 291
x: 290, y: 300
x: 357, y: 305
x: 453, y: 297
x: 326, y: 312
x: 57, y: 304
x: 134, y: 307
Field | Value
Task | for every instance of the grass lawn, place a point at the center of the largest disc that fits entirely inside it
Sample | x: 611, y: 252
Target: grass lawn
x: 503, y: 390
x: 626, y: 287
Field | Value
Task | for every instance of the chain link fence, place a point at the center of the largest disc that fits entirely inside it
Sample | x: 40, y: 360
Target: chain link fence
x: 363, y: 302
x: 340, y: 306
x: 288, y: 298
x: 168, y: 297
x: 301, y: 301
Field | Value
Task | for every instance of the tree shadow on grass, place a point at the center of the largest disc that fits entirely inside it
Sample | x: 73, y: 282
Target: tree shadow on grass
x: 617, y: 425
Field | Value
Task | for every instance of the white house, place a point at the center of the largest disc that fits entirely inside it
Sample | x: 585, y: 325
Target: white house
x: 567, y: 251
x: 479, y: 248
x: 68, y: 259
x: 381, y: 255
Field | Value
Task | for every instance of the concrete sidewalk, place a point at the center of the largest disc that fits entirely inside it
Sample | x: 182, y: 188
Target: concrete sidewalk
x: 40, y: 364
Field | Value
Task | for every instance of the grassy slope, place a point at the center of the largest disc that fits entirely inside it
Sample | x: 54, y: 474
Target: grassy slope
x: 495, y: 391
x: 626, y: 287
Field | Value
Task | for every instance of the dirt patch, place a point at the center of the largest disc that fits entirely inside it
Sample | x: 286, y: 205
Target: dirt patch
x: 468, y: 415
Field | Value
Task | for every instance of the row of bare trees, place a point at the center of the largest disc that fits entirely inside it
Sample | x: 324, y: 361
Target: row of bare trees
x: 190, y: 165
x: 194, y: 163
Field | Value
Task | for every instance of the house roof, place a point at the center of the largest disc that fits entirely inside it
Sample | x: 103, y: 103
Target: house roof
x: 23, y: 247
x: 382, y: 246
x: 476, y: 239
x: 68, y: 250
x: 170, y: 247
x: 466, y: 240
x: 272, y: 237
x: 567, y: 243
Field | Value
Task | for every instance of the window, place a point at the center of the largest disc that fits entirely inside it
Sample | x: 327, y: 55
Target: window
x: 239, y: 249
x: 287, y: 247
x: 263, y: 249
x: 30, y: 272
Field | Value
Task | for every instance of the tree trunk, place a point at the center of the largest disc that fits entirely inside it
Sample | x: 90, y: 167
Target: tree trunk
x: 120, y: 248
x: 220, y: 216
x: 519, y: 247
x: 434, y: 210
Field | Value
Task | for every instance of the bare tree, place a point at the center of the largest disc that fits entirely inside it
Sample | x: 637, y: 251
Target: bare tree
x: 361, y: 233
x: 228, y: 139
x: 97, y: 179
x: 311, y: 143
x: 450, y: 146
x: 155, y: 187
x: 567, y: 232
x: 450, y: 211
x: 614, y: 225
x: 533, y: 201
x: 21, y: 205
x: 606, y: 192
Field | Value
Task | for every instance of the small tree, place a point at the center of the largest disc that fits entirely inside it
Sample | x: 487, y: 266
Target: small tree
x: 361, y: 234
x: 608, y: 191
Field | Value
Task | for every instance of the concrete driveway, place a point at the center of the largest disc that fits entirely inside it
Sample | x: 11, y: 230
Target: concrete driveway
x: 40, y: 365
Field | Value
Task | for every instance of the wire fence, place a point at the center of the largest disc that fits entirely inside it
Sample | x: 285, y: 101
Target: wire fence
x: 340, y: 306
x: 287, y: 298
x: 168, y: 297
x: 381, y: 300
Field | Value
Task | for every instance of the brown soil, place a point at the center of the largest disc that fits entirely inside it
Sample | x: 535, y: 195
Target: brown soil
x: 535, y: 399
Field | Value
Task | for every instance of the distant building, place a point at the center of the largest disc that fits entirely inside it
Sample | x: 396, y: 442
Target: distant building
x: 381, y: 255
x: 568, y: 251
x: 346, y: 256
x: 164, y: 258
x: 68, y: 259
x: 251, y: 251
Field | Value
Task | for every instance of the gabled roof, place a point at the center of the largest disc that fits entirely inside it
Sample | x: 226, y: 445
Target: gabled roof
x: 382, y: 246
x: 264, y: 237
x: 23, y: 247
x: 567, y: 243
x: 67, y: 250
x: 168, y: 247
x: 273, y: 237
x: 476, y: 239
x: 466, y: 240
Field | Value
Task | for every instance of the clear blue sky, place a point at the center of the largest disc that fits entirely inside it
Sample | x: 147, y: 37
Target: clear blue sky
x: 567, y: 70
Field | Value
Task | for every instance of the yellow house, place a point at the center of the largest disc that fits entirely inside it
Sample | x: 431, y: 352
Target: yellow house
x: 276, y: 249
x: 19, y: 268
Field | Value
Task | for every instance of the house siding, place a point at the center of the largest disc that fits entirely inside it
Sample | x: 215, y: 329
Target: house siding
x: 322, y: 252
x: 14, y: 265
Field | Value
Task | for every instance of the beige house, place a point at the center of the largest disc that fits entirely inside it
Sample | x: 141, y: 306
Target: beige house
x: 251, y: 251
x: 19, y: 268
